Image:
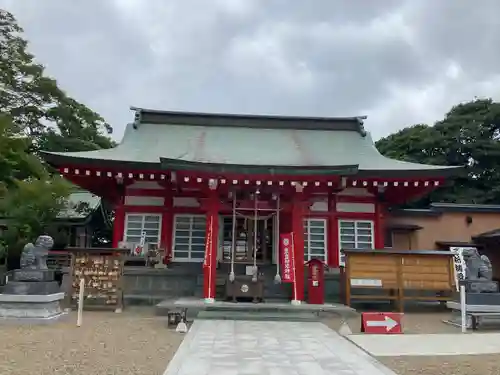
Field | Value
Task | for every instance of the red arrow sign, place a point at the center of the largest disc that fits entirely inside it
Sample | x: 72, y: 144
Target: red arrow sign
x: 381, y: 322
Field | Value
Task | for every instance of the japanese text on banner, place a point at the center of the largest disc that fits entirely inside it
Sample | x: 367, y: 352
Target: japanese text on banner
x: 287, y: 258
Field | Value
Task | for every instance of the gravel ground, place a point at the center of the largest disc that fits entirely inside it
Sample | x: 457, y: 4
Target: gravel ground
x: 134, y: 342
x: 444, y: 365
x: 431, y: 365
x: 431, y: 322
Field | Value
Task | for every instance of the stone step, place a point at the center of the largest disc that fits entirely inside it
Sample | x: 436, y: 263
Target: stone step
x: 258, y: 316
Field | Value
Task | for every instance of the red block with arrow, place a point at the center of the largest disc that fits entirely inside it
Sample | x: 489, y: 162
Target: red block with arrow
x: 381, y: 322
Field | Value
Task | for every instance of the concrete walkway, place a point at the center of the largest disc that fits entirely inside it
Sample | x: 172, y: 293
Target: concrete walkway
x: 431, y: 344
x: 225, y: 347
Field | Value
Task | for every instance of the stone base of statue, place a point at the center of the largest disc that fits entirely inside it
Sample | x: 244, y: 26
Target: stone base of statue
x: 481, y: 296
x: 31, y: 295
x: 480, y: 293
x: 32, y: 275
x: 31, y: 282
x: 31, y: 288
x: 481, y: 286
x: 31, y: 309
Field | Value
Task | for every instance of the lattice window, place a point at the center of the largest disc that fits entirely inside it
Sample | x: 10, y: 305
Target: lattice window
x: 315, y: 239
x: 189, y: 238
x: 136, y: 224
x: 355, y: 234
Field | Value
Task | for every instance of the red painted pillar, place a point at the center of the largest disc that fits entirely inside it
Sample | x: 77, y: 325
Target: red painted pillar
x: 298, y: 238
x: 211, y: 242
x: 166, y: 229
x: 118, y: 223
x: 333, y: 234
x: 379, y: 225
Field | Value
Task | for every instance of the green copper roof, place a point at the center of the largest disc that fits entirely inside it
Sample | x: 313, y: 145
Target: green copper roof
x: 77, y: 200
x: 322, y: 149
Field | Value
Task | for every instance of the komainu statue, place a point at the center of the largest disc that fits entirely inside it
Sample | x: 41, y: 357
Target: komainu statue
x: 477, y: 267
x: 34, y: 257
x: 478, y: 272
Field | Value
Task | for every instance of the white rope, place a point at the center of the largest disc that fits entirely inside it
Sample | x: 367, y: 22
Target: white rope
x: 233, y: 239
x: 255, y: 218
x: 277, y: 277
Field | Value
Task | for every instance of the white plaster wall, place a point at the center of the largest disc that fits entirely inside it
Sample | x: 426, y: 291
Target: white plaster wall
x: 355, y: 207
x: 133, y: 200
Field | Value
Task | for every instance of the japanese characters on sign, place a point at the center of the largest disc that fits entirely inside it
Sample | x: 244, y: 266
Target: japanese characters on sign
x: 287, y: 257
x: 459, y: 264
x: 315, y: 272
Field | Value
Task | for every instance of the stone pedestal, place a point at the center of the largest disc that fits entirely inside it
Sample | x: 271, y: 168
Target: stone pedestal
x: 481, y: 286
x: 31, y: 308
x: 31, y: 288
x: 482, y: 299
x: 476, y: 303
x: 31, y: 296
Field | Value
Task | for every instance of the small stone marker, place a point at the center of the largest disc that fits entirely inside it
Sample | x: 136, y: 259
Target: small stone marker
x: 344, y: 329
x: 181, y: 327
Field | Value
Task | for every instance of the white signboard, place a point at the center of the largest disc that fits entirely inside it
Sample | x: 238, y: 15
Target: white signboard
x: 459, y: 264
x: 366, y: 282
x: 138, y: 250
x: 341, y: 259
x: 143, y: 239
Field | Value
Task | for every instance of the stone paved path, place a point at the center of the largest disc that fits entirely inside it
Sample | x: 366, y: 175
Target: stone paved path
x: 225, y: 347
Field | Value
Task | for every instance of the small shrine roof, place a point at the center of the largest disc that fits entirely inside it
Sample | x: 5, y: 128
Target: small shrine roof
x: 248, y: 144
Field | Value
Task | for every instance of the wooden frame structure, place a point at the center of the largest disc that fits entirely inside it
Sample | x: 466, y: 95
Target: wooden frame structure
x: 102, y: 270
x: 398, y: 275
x: 194, y: 163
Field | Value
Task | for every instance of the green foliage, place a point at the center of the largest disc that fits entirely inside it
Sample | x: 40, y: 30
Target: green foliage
x: 33, y: 205
x: 469, y: 135
x: 15, y: 160
x: 36, y: 114
x: 38, y: 107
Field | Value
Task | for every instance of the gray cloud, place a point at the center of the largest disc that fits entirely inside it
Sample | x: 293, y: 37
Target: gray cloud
x: 399, y: 62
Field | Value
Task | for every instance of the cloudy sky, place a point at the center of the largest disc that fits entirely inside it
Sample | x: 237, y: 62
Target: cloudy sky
x: 399, y: 62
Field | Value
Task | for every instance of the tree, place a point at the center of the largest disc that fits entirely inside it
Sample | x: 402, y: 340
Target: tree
x: 30, y: 197
x: 469, y: 136
x: 38, y: 107
x: 35, y: 114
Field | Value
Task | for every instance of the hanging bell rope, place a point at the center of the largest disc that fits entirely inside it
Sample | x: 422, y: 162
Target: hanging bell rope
x: 255, y: 218
x: 233, y: 240
x: 277, y: 277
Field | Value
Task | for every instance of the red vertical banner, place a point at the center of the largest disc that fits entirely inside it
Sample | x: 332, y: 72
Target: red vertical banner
x: 287, y: 258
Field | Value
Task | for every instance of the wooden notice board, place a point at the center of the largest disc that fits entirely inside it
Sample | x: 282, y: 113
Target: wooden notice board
x: 102, y: 270
x: 398, y: 275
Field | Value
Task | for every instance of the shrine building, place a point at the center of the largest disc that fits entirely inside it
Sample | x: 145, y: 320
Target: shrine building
x: 219, y: 190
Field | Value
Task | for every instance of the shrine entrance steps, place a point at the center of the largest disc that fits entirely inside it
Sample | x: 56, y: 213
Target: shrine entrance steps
x: 266, y: 311
x: 261, y: 316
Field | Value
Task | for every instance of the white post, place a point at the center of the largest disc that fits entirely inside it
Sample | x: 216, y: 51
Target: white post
x: 80, y: 303
x: 292, y: 256
x: 463, y: 308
